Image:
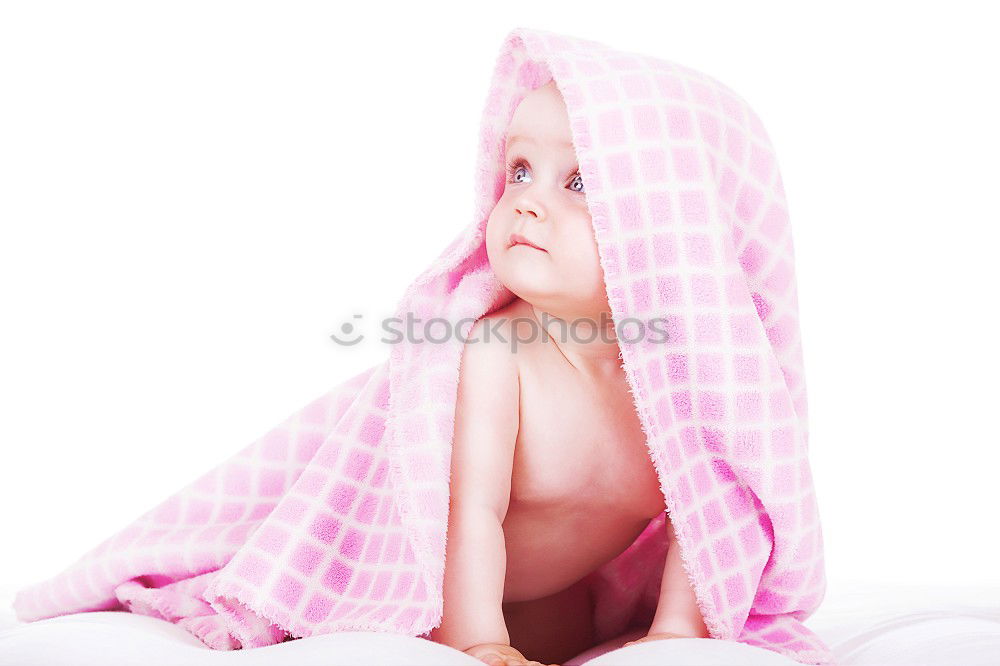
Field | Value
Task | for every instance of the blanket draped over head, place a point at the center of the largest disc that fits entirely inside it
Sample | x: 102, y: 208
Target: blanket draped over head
x: 335, y: 519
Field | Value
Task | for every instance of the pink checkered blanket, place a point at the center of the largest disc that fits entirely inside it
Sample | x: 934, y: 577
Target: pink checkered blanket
x: 335, y: 520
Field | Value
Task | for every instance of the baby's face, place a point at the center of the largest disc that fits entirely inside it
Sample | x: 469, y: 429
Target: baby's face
x: 544, y: 201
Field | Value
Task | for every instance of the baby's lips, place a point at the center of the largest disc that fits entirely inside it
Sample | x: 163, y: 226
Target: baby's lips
x: 518, y: 239
x: 529, y: 247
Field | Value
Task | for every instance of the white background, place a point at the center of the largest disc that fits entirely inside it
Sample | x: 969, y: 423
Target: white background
x: 195, y: 195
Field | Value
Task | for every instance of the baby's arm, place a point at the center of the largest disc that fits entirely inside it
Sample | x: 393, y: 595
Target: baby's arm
x: 482, y: 458
x: 677, y: 610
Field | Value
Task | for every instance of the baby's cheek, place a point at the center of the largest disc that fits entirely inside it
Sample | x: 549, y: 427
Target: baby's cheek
x: 586, y: 259
x: 495, y: 225
x: 492, y: 234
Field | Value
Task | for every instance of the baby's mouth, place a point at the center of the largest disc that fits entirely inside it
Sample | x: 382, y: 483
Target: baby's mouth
x: 518, y: 239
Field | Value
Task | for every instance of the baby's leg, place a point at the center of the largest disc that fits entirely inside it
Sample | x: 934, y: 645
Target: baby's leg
x: 687, y: 651
x: 606, y: 646
x: 554, y: 628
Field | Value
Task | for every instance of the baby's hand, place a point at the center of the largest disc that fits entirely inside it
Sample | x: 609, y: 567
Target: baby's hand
x: 500, y: 654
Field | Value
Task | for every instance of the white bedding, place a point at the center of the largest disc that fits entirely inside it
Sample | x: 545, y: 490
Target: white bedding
x: 864, y: 623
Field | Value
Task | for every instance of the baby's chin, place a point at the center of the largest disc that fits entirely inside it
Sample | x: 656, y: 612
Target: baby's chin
x: 527, y: 282
x: 540, y: 282
x: 549, y: 298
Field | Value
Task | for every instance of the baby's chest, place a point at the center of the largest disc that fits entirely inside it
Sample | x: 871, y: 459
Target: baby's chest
x: 582, y: 453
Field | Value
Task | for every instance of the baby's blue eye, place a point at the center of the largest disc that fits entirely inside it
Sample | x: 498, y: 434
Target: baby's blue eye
x: 514, y: 175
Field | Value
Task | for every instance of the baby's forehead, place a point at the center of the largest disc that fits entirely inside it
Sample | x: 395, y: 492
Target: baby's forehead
x: 540, y: 117
x: 537, y: 139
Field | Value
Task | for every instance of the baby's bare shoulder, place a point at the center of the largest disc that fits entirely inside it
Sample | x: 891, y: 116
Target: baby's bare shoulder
x: 496, y: 327
x: 489, y: 381
x: 506, y: 329
x: 486, y: 356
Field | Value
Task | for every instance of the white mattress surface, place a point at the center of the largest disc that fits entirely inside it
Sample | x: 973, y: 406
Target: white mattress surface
x: 864, y: 623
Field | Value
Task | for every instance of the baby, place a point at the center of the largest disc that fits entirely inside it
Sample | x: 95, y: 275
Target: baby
x: 548, y: 449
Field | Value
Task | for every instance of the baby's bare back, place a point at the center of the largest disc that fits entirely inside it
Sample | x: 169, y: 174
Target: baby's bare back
x: 582, y: 486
